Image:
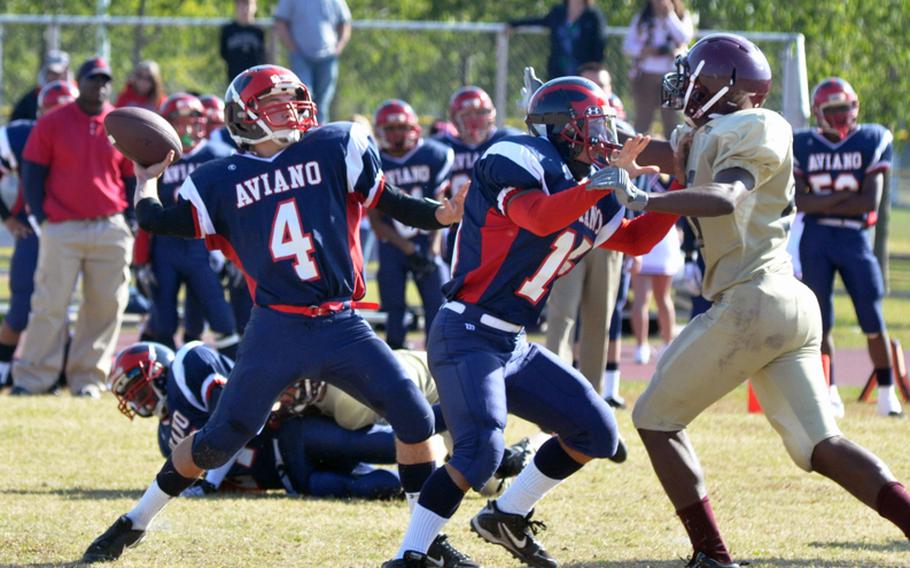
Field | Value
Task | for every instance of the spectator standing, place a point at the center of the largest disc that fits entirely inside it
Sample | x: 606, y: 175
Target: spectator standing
x: 657, y: 34
x: 144, y: 87
x: 577, y: 32
x: 242, y: 42
x: 76, y: 187
x: 56, y: 67
x: 315, y: 32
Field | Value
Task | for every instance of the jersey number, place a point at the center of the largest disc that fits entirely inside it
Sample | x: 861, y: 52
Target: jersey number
x: 558, y: 262
x: 288, y: 241
x: 824, y: 183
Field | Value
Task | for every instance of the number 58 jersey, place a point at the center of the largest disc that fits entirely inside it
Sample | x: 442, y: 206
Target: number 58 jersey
x: 828, y: 166
x: 503, y: 268
x: 291, y: 222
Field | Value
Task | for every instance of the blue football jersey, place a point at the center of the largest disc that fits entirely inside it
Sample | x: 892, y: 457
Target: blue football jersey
x: 174, y: 176
x: 507, y: 270
x: 466, y: 154
x: 828, y: 166
x: 422, y: 172
x: 13, y: 137
x: 291, y: 222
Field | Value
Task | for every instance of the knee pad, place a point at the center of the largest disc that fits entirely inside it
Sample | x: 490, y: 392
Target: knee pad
x: 410, y: 416
x: 597, y: 436
x: 478, y: 458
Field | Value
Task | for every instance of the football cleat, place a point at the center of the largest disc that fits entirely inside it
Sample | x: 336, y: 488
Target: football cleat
x: 513, y: 532
x: 616, y: 402
x: 412, y: 559
x: 442, y: 554
x: 110, y: 545
x: 702, y: 560
x: 622, y: 452
x: 516, y: 457
x: 888, y: 404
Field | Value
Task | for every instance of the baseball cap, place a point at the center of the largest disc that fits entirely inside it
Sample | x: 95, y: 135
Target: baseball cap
x: 94, y: 66
x: 56, y: 61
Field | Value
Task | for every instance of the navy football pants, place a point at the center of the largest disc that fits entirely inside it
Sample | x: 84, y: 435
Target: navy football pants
x: 824, y: 250
x: 22, y: 282
x: 483, y: 373
x: 340, y: 349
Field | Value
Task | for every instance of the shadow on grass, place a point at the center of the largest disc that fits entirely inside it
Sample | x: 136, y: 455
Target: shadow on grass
x: 760, y: 563
x: 111, y: 494
x: 45, y: 564
x: 893, y: 546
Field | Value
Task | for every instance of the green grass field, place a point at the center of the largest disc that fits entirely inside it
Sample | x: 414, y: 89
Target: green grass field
x: 69, y: 467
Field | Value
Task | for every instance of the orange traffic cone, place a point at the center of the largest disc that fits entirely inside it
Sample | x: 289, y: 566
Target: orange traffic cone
x: 754, y: 406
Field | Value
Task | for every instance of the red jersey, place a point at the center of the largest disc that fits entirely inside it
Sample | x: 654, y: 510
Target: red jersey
x: 84, y: 170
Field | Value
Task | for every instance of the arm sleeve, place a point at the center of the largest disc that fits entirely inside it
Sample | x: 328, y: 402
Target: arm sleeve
x: 176, y: 221
x: 639, y: 235
x: 33, y: 178
x: 544, y: 214
x: 419, y: 213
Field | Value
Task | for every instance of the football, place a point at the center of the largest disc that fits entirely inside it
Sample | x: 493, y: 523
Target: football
x: 142, y: 135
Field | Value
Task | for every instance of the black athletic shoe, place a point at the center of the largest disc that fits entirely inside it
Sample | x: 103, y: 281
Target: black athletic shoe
x: 110, y: 545
x: 702, y: 560
x: 617, y: 402
x: 515, y: 458
x: 411, y: 559
x: 513, y: 532
x: 443, y: 555
x: 622, y: 452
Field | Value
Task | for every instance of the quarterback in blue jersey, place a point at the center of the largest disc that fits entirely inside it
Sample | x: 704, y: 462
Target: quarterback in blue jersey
x: 25, y: 252
x: 839, y: 169
x: 472, y: 112
x: 538, y: 203
x: 176, y: 261
x: 287, y: 211
x: 309, y: 455
x: 420, y: 167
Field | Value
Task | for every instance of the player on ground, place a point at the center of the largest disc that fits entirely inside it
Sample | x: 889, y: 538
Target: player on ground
x: 25, y: 251
x: 303, y: 455
x: 472, y: 112
x: 421, y: 168
x: 764, y: 323
x: 173, y: 261
x: 532, y: 212
x: 287, y: 210
x: 839, y: 168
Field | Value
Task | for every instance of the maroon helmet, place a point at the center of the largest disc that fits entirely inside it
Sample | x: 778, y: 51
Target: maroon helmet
x: 835, y: 106
x: 472, y: 112
x: 214, y: 112
x: 56, y: 93
x: 187, y: 115
x: 721, y: 74
x: 138, y: 379
x: 576, y: 116
x: 397, y: 129
x: 253, y: 115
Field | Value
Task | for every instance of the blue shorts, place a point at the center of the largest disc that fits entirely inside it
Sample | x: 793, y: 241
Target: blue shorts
x: 824, y: 250
x: 340, y: 349
x: 483, y: 373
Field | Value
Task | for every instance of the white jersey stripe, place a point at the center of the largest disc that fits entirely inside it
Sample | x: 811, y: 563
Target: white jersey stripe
x: 522, y: 157
x: 180, y: 376
x: 189, y: 192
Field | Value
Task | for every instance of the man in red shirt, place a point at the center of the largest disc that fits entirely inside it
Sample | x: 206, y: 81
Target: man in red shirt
x: 76, y: 187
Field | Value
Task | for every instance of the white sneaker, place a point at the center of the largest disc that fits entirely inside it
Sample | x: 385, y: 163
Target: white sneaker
x: 837, y: 405
x: 643, y: 354
x: 888, y: 405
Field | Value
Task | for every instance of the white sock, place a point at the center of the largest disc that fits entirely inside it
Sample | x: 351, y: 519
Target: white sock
x: 887, y: 400
x: 611, y: 383
x: 153, y: 500
x: 411, y: 498
x: 423, y: 528
x: 526, y: 490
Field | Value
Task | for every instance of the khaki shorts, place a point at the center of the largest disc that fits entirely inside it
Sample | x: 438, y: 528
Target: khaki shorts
x: 768, y: 329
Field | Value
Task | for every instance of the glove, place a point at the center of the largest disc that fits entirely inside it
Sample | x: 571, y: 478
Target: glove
x: 233, y: 275
x: 617, y: 179
x: 145, y: 278
x: 216, y: 261
x: 531, y: 84
x: 420, y: 263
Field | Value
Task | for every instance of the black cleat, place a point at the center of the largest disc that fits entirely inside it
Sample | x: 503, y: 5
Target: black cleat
x: 616, y: 402
x: 515, y: 458
x: 514, y: 533
x: 443, y: 555
x: 622, y: 452
x: 702, y: 560
x: 110, y: 545
x: 412, y: 559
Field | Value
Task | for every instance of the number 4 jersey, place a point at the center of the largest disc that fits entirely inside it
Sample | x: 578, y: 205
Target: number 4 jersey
x: 828, y: 166
x: 291, y: 222
x: 503, y: 268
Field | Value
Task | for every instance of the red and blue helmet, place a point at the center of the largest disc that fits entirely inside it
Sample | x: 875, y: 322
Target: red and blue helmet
x: 472, y: 112
x: 252, y: 119
x: 187, y: 115
x: 721, y: 74
x: 214, y: 112
x: 575, y: 114
x: 396, y: 125
x: 835, y: 106
x: 56, y: 93
x: 139, y: 379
